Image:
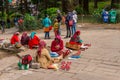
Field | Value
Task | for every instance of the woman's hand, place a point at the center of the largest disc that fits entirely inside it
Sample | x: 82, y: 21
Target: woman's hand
x: 57, y: 47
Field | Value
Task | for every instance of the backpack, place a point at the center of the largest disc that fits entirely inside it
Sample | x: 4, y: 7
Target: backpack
x: 26, y: 59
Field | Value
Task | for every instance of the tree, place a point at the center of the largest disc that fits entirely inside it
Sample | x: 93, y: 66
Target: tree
x: 67, y: 5
x: 26, y: 5
x: 113, y: 2
x: 95, y: 4
x: 86, y: 6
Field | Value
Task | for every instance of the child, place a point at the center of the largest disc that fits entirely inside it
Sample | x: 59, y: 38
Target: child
x: 55, y: 26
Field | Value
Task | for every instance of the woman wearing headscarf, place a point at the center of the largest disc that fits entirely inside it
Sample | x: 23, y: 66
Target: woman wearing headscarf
x: 15, y: 38
x: 43, y: 57
x: 24, y: 39
x: 75, y: 39
x: 34, y: 40
x: 58, y: 47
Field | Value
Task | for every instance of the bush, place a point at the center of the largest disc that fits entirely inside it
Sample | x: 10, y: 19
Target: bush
x: 51, y: 13
x: 30, y: 23
x: 118, y: 16
x: 79, y: 10
x: 97, y: 16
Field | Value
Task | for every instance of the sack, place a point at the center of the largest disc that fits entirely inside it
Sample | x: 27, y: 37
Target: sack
x: 70, y: 22
x: 26, y: 59
x: 50, y: 28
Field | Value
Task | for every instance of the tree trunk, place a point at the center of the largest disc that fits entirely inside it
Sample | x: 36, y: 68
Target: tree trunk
x: 80, y: 2
x: 21, y: 6
x: 26, y: 6
x: 7, y: 7
x: 95, y: 4
x: 2, y: 8
x: 67, y: 5
x: 86, y: 6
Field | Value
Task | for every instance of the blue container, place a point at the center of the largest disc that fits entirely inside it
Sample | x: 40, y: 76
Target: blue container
x: 105, y: 16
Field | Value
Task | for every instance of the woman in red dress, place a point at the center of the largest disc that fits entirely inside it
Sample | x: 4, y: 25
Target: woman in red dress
x: 33, y: 41
x: 15, y: 38
x: 58, y: 47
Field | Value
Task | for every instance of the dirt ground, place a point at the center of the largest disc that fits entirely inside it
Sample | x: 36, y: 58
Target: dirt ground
x: 101, y: 61
x: 81, y: 26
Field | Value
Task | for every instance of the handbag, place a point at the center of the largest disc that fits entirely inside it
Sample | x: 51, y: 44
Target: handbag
x: 70, y: 22
x: 50, y: 28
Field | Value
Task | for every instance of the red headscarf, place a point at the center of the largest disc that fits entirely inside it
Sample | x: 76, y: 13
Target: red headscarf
x: 24, y: 34
x: 42, y: 44
x: 58, y: 38
x: 77, y: 33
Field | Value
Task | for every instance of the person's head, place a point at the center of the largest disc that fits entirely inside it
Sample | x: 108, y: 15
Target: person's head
x: 77, y: 32
x: 24, y: 34
x: 57, y: 39
x: 46, y: 15
x: 42, y: 45
x: 56, y: 20
x: 74, y: 12
x: 17, y: 33
x: 32, y: 34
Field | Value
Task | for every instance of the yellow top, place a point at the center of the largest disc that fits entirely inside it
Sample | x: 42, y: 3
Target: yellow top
x: 55, y: 26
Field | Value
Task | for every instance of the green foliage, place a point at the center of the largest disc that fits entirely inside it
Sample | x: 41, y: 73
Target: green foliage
x: 101, y: 5
x: 16, y: 14
x: 97, y: 15
x: 118, y: 16
x: 79, y: 10
x: 30, y: 23
x: 4, y: 17
x: 51, y: 11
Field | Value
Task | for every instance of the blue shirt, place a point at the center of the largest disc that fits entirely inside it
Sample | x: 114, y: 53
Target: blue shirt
x: 46, y: 22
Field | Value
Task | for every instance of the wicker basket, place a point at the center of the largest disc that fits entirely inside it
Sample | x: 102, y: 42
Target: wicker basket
x: 72, y: 46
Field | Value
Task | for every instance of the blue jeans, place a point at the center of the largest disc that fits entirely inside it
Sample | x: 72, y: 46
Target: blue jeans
x: 59, y: 29
x: 73, y: 28
x: 47, y: 35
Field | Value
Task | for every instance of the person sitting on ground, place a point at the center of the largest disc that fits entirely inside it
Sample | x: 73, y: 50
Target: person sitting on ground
x: 15, y: 38
x: 33, y: 40
x: 24, y: 39
x: 43, y: 57
x: 58, y: 47
x: 75, y: 39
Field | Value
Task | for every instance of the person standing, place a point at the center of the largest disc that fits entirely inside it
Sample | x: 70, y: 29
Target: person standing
x: 74, y: 22
x: 46, y: 23
x: 55, y: 26
x: 59, y: 18
x: 16, y: 22
x: 2, y: 22
x: 69, y: 24
x: 8, y: 22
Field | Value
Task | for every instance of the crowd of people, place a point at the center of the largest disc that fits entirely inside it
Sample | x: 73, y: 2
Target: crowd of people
x: 57, y: 51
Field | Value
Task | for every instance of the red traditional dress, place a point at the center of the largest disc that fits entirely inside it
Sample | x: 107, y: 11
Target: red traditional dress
x: 15, y: 39
x: 57, y: 46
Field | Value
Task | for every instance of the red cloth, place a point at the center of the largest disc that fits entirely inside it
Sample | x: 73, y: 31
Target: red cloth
x: 14, y: 39
x: 54, y: 44
x: 33, y: 42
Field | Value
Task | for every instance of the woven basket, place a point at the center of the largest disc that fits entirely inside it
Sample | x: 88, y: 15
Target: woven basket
x: 72, y: 46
